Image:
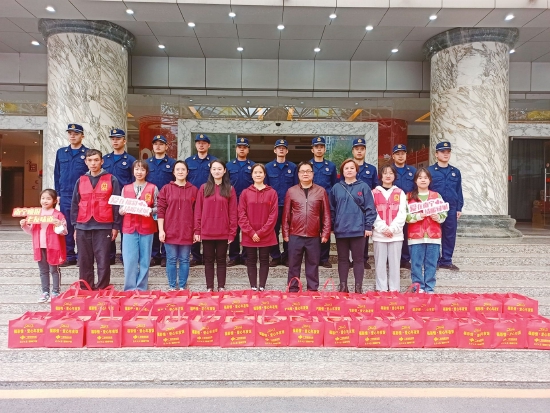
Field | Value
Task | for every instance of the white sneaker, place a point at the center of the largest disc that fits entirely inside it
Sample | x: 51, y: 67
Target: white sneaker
x: 44, y: 298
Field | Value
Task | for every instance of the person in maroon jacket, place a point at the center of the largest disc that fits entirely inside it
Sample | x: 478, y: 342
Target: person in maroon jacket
x: 175, y: 205
x: 216, y: 222
x: 258, y: 212
x: 306, y: 224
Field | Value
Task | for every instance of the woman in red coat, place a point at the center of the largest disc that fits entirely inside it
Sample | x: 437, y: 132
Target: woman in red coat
x: 216, y: 222
x: 257, y: 218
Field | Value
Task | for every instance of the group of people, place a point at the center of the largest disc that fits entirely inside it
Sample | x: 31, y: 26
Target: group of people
x: 204, y: 201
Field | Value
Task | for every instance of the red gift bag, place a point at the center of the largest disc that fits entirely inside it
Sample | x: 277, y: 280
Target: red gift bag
x: 388, y: 303
x: 306, y: 331
x: 171, y: 301
x: 66, y: 331
x: 27, y: 331
x: 340, y: 331
x: 296, y: 303
x: 509, y: 332
x: 202, y: 303
x: 73, y: 300
x: 520, y: 305
x: 205, y: 329
x: 139, y: 328
x: 407, y: 332
x: 489, y: 305
x: 455, y: 305
x: 238, y: 331
x: 330, y: 302
x: 441, y: 332
x: 373, y: 332
x: 475, y: 333
x: 104, y: 331
x: 272, y: 331
x: 172, y: 331
x: 139, y: 301
x: 538, y: 333
x: 422, y: 305
x: 268, y: 301
x: 359, y: 304
x: 104, y: 300
x: 235, y: 302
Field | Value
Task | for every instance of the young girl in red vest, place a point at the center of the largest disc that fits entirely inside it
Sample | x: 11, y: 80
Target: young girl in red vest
x: 138, y: 229
x: 387, y: 236
x: 424, y: 234
x: 216, y: 222
x: 48, y: 243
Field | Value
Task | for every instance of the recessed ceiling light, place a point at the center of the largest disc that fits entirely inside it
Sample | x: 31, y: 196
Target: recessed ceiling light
x: 356, y: 103
x: 512, y: 51
x: 191, y: 24
x: 232, y: 14
x: 394, y: 50
x: 280, y: 27
x: 240, y: 49
x: 509, y: 17
x: 247, y: 101
x: 35, y: 43
x: 369, y: 28
x: 190, y: 100
x: 332, y: 16
x: 50, y: 9
x: 161, y: 46
x: 129, y: 11
x: 317, y: 50
x: 35, y: 142
x: 301, y: 103
x: 433, y: 17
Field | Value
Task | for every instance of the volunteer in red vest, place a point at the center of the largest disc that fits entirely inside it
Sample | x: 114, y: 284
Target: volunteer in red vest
x: 391, y: 206
x: 96, y: 222
x: 138, y: 229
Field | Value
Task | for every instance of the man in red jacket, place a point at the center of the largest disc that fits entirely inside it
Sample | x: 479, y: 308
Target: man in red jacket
x: 306, y: 224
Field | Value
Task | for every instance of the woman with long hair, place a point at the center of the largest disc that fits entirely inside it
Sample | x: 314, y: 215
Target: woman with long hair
x: 216, y: 222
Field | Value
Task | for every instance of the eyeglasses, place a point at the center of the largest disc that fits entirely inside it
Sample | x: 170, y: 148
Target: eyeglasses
x: 305, y: 172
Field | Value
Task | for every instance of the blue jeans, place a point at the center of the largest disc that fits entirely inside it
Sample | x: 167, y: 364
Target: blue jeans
x: 424, y: 257
x: 136, y: 250
x: 174, y: 254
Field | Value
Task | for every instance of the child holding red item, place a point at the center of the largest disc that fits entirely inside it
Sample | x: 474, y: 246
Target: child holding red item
x: 424, y: 234
x: 48, y: 244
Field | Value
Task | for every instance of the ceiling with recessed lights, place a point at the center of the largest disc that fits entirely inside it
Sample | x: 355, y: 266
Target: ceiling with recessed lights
x: 284, y: 29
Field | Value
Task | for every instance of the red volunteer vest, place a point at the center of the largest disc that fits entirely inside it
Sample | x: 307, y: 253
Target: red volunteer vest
x: 131, y: 222
x: 94, y: 202
x: 427, y: 225
x: 387, y: 208
x: 55, y: 249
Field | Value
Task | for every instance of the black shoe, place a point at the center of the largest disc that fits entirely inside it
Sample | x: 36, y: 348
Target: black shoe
x: 359, y: 288
x: 194, y: 263
x: 326, y: 264
x: 275, y: 262
x: 367, y: 266
x: 112, y: 261
x: 451, y: 267
x: 343, y: 288
x: 285, y: 262
x: 163, y: 262
x: 232, y: 263
x: 406, y: 265
x: 68, y: 263
x: 154, y: 262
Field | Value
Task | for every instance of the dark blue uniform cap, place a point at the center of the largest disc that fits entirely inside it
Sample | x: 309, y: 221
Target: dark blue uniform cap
x: 359, y: 142
x: 202, y: 138
x: 75, y: 127
x: 442, y: 146
x: 160, y: 138
x: 318, y: 141
x: 117, y: 133
x: 281, y: 142
x: 399, y: 147
x: 242, y: 141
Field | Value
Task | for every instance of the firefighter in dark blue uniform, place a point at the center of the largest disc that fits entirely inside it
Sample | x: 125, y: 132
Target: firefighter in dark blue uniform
x: 119, y: 163
x: 161, y: 168
x: 325, y: 175
x: 447, y: 181
x: 368, y: 174
x: 240, y: 172
x: 69, y: 166
x: 281, y: 175
x: 199, y: 170
x: 404, y: 181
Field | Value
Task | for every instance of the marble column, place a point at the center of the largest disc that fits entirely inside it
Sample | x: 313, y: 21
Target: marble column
x: 87, y: 82
x: 469, y: 108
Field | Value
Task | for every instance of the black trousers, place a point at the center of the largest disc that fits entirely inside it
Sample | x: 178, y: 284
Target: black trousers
x: 196, y: 251
x: 275, y: 252
x: 94, y: 244
x: 215, y: 250
x: 297, y: 247
x: 157, y: 252
x: 235, y: 248
x: 366, y: 250
x: 251, y: 265
x: 325, y: 251
x: 112, y: 255
x: 343, y: 247
x: 405, y: 253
